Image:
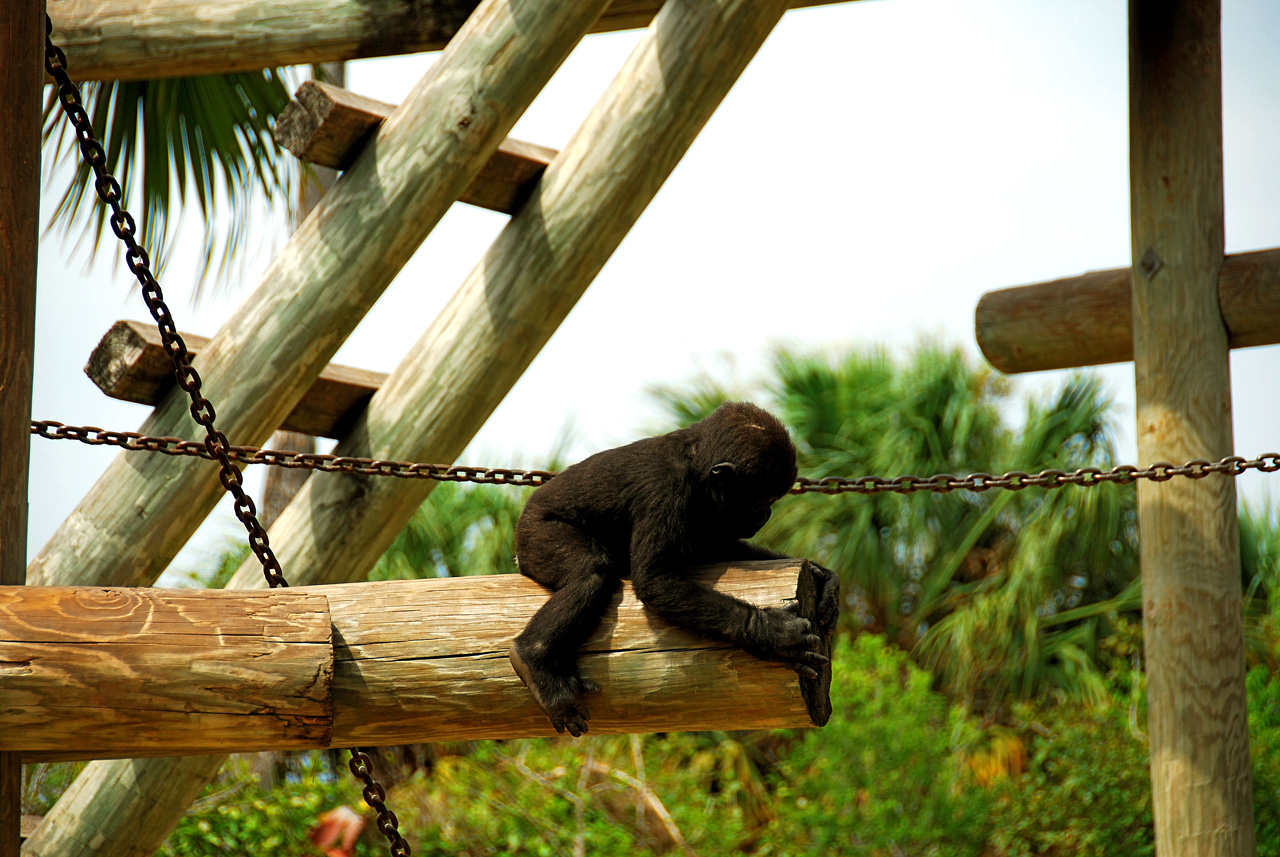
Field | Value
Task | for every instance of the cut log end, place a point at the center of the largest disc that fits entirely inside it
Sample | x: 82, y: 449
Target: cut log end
x: 816, y: 691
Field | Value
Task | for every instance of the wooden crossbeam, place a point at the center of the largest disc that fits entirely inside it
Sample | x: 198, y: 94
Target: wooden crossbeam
x: 94, y: 672
x: 1088, y: 320
x: 130, y: 364
x: 328, y: 126
x: 143, y: 39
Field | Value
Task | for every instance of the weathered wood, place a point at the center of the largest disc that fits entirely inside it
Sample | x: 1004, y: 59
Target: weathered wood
x: 255, y: 370
x: 140, y: 39
x: 329, y: 126
x: 157, y: 669
x: 99, y: 672
x: 1088, y: 320
x: 130, y: 364
x: 1191, y: 595
x: 21, y: 52
x: 530, y: 278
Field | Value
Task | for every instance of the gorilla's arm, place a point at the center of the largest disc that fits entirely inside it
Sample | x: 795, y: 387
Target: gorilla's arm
x: 659, y: 576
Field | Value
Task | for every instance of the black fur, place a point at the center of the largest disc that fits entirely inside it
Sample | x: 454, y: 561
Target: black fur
x: 650, y: 511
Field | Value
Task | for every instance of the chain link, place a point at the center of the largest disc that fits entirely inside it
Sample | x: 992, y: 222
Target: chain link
x: 942, y: 483
x: 216, y: 446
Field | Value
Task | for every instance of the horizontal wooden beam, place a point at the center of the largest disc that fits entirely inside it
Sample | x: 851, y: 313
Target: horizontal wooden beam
x: 130, y: 364
x: 1088, y: 320
x: 144, y: 39
x: 94, y: 672
x: 328, y: 126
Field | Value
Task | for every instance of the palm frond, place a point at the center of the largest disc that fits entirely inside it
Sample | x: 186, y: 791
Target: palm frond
x: 168, y: 139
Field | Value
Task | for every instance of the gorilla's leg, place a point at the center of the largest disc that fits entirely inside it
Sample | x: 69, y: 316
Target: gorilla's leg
x: 545, y: 654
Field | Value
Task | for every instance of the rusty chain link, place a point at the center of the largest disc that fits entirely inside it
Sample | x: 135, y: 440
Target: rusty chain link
x: 943, y: 483
x: 215, y: 446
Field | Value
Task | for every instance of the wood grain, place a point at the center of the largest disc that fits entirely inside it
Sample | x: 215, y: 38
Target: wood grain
x: 328, y: 126
x: 1189, y: 545
x: 271, y: 350
x: 1087, y: 320
x: 97, y: 672
x: 130, y: 364
x: 140, y: 39
x: 21, y: 52
x: 156, y: 672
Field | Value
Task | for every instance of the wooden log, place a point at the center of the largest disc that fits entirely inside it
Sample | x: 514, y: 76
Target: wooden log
x: 255, y: 370
x: 130, y: 364
x: 142, y: 39
x: 109, y: 672
x: 529, y: 280
x: 21, y: 53
x: 1189, y: 546
x: 328, y: 126
x: 90, y: 668
x: 1088, y: 320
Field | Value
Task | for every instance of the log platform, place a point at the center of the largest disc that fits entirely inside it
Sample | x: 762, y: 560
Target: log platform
x: 98, y: 672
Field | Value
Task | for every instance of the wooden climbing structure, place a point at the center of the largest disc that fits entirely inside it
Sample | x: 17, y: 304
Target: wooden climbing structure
x: 269, y: 367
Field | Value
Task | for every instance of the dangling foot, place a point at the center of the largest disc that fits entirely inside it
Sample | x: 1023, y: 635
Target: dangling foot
x: 560, y: 696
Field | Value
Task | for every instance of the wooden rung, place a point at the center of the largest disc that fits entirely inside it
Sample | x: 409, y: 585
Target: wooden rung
x: 95, y: 672
x: 1088, y: 320
x: 130, y: 364
x: 329, y: 126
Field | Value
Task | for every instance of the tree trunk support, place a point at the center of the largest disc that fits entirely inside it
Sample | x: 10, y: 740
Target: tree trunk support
x: 1192, y: 622
x: 156, y: 672
x: 21, y: 76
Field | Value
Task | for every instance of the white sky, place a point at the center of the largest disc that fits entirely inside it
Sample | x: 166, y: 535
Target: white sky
x: 877, y: 168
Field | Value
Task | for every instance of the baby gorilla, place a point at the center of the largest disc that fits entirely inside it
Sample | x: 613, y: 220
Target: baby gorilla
x: 651, y: 511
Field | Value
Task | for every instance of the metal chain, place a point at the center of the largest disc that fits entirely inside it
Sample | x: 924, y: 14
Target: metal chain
x: 216, y: 446
x: 375, y: 796
x: 943, y: 483
x: 139, y: 263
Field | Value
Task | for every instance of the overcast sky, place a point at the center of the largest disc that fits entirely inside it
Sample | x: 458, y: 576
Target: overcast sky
x: 877, y: 168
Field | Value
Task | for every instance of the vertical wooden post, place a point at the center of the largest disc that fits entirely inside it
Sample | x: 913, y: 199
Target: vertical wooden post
x: 1192, y: 620
x: 21, y: 74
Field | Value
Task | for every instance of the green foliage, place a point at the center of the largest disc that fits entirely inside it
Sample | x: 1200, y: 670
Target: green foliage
x: 459, y: 530
x: 884, y: 777
x: 236, y: 816
x: 167, y: 139
x: 1087, y: 790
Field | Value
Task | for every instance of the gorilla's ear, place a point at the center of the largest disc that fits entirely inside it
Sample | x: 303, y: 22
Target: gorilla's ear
x: 723, y: 471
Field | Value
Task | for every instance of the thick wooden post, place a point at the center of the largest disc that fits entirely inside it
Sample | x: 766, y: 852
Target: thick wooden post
x: 1192, y: 620
x: 21, y: 74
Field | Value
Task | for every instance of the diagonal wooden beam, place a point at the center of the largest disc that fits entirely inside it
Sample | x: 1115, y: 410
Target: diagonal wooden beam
x: 143, y: 39
x: 130, y: 364
x: 1088, y: 319
x: 328, y: 126
x: 335, y: 266
x: 364, y: 664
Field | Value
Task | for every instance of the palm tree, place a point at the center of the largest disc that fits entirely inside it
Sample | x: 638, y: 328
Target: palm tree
x: 1002, y: 593
x: 169, y: 139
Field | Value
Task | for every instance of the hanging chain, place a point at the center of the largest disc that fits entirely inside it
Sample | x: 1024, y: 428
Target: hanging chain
x: 139, y: 263
x: 943, y: 483
x: 216, y: 446
x: 375, y: 796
